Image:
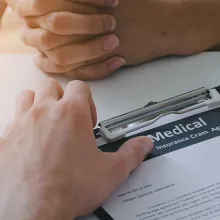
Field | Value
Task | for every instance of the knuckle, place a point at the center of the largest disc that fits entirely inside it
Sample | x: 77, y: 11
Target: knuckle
x: 60, y: 111
x: 81, y: 86
x: 24, y: 93
x: 44, y: 40
x: 137, y: 152
x: 51, y: 83
x: 36, y: 6
x: 56, y: 21
x: 93, y: 24
x: 58, y: 57
x: 71, y: 108
x: 78, y: 83
x: 75, y: 105
x: 36, y: 111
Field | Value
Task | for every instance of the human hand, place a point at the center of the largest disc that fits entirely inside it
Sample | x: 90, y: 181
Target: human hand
x: 138, y: 28
x: 50, y: 165
x: 54, y: 28
x: 147, y: 30
x: 152, y: 29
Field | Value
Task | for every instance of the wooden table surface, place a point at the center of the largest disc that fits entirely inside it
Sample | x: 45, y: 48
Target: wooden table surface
x: 9, y: 39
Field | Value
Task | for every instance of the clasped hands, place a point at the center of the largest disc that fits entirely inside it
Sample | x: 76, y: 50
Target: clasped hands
x: 74, y: 38
x: 89, y: 39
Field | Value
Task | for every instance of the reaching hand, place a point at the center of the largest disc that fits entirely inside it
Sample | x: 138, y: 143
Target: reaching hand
x: 50, y: 165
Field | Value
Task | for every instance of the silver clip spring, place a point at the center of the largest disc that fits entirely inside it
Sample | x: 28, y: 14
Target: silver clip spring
x: 116, y: 128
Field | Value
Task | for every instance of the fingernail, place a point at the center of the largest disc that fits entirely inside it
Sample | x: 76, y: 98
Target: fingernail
x: 117, y: 64
x: 112, y: 3
x: 147, y: 145
x: 111, y: 43
x: 109, y: 23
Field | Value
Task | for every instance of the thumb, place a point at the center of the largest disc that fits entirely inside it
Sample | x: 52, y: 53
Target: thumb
x: 129, y: 156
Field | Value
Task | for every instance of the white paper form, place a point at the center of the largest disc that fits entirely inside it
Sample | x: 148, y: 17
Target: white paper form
x: 181, y: 178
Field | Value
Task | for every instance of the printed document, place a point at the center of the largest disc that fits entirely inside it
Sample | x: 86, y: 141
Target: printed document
x: 180, y: 180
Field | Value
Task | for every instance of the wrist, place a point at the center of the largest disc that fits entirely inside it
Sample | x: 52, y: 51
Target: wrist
x: 55, y: 205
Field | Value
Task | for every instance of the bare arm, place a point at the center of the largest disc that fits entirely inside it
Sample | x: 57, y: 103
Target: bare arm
x: 195, y: 27
x: 204, y: 17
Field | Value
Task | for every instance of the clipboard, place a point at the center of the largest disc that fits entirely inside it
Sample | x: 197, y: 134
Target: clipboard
x: 112, y: 133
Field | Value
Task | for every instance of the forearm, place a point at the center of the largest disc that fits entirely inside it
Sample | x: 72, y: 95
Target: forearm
x: 196, y: 23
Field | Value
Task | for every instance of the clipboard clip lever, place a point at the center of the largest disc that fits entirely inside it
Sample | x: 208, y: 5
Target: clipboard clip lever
x: 116, y: 128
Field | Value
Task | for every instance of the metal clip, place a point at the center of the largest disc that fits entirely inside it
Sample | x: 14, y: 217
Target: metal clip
x: 116, y: 128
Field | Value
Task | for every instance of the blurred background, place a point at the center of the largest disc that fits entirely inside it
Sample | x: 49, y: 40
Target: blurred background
x: 9, y: 38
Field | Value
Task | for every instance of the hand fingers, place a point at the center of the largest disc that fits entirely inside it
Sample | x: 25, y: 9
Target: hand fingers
x: 82, y: 72
x: 40, y: 7
x: 129, y: 157
x: 50, y: 89
x: 24, y: 102
x: 46, y: 65
x: 37, y: 7
x: 96, y: 71
x: 67, y: 23
x: 78, y: 93
x: 27, y: 8
x: 103, y: 3
x: 44, y: 40
x: 76, y: 53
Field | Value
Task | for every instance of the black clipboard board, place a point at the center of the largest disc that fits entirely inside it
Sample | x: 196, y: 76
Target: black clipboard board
x: 210, y: 115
